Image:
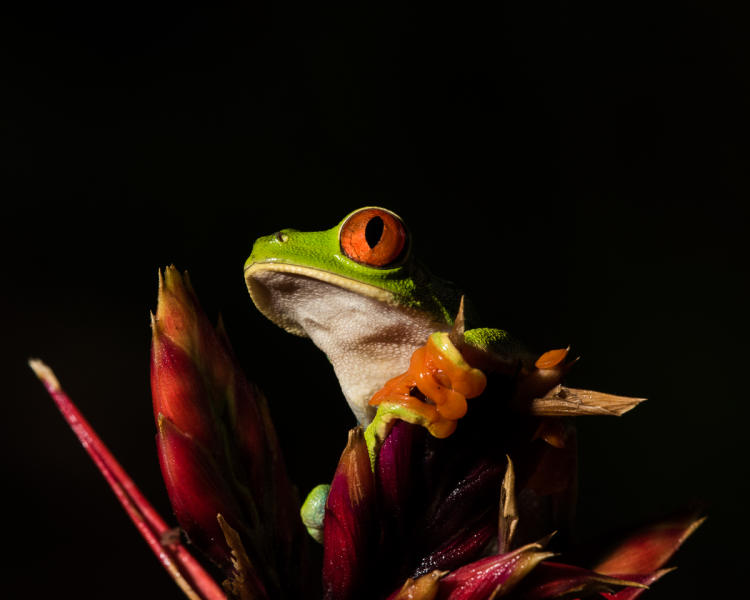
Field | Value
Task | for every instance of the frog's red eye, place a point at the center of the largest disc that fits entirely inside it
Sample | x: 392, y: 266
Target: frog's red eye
x: 373, y: 237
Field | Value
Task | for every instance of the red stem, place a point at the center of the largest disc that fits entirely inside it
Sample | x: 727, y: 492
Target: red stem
x: 187, y: 572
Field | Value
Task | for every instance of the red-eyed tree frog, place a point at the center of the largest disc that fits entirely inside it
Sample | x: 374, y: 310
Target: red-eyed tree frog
x: 361, y: 295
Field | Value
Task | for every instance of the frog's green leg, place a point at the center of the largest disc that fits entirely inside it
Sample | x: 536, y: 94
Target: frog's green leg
x: 384, y: 421
x: 314, y: 509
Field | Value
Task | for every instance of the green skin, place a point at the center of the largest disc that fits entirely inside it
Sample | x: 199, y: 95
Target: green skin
x: 285, y: 270
x: 313, y: 511
x: 367, y: 320
x: 409, y: 283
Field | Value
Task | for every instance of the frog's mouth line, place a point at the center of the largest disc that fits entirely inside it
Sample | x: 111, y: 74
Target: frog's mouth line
x: 260, y: 292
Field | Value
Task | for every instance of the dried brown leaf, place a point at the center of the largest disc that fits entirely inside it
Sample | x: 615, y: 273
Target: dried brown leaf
x: 243, y: 584
x: 456, y: 334
x: 562, y: 401
x: 508, y: 520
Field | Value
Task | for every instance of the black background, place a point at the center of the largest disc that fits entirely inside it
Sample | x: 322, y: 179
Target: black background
x: 580, y: 168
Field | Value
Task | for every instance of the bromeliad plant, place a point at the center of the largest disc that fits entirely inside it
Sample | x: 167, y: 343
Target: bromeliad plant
x: 419, y: 507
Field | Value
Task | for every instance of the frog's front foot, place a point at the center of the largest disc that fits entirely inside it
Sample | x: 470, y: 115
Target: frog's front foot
x: 432, y: 392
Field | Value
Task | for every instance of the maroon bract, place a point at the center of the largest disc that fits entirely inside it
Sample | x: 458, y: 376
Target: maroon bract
x: 349, y: 526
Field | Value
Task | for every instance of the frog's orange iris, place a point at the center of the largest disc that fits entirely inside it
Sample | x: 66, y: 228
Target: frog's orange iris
x: 373, y: 237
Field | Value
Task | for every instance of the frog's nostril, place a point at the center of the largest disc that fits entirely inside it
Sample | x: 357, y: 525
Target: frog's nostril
x: 281, y: 236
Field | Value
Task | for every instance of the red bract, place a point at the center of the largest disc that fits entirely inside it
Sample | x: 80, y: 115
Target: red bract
x: 218, y: 450
x: 197, y: 491
x: 647, y: 550
x: 408, y: 516
x: 491, y: 576
x: 179, y: 391
x: 349, y: 520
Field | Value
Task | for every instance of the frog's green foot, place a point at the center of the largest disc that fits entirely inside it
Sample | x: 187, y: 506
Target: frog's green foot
x: 314, y: 509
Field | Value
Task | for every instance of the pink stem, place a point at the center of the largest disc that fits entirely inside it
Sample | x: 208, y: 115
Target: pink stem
x: 174, y: 557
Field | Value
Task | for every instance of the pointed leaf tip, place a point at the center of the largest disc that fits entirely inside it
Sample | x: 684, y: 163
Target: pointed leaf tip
x: 562, y: 401
x: 509, y: 515
x: 649, y: 549
x: 456, y: 334
x: 420, y: 588
x: 554, y: 580
x: 552, y: 358
x: 45, y: 375
x: 243, y: 582
x: 356, y: 463
x: 633, y: 592
x: 187, y: 573
x: 492, y: 576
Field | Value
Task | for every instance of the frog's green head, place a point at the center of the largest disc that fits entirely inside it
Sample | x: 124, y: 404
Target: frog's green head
x: 357, y: 291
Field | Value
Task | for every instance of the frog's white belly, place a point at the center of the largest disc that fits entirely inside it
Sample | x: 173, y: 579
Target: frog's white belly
x: 367, y: 340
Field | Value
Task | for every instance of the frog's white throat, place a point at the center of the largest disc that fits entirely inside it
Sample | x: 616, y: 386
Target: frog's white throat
x: 368, y: 337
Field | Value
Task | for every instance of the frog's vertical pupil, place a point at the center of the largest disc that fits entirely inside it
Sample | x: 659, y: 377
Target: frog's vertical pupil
x: 374, y: 231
